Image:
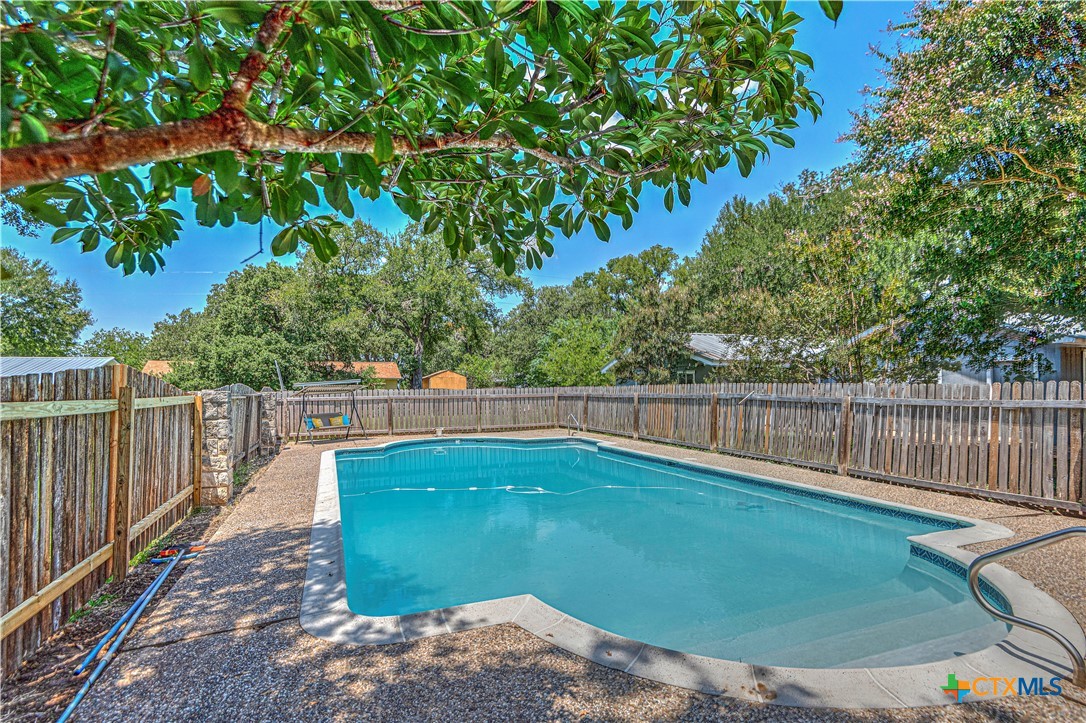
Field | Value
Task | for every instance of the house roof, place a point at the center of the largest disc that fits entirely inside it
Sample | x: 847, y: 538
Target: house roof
x: 157, y: 367
x: 715, y: 349
x: 444, y: 371
x: 12, y: 366
x: 381, y: 369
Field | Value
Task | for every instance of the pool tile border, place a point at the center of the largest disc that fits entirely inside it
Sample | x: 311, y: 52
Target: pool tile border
x: 324, y: 612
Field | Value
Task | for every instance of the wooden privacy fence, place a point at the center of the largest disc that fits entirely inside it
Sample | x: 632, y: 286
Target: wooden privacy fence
x: 95, y: 463
x: 1020, y: 442
x: 244, y: 410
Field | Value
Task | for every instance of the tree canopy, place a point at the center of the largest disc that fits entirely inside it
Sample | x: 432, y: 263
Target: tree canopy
x: 977, y: 138
x: 127, y: 347
x: 41, y: 315
x: 501, y: 122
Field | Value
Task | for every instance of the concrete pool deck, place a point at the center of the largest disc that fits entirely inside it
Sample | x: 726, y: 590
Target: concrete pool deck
x: 226, y: 643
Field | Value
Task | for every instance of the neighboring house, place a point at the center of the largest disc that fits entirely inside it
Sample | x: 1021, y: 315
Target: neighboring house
x: 709, y: 351
x: 158, y: 367
x: 1066, y: 354
x: 386, y: 375
x: 445, y: 379
x: 14, y: 366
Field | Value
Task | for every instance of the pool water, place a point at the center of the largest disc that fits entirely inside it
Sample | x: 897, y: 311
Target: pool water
x: 713, y: 564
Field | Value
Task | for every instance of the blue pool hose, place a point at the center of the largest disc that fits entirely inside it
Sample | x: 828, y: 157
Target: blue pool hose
x: 132, y: 615
x: 124, y: 618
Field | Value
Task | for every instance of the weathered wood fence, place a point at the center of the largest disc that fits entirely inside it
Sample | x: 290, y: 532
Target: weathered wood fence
x: 1019, y: 442
x: 244, y: 411
x: 95, y: 464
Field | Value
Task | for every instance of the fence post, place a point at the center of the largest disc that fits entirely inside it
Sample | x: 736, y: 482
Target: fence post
x: 478, y: 412
x: 557, y: 425
x: 768, y: 418
x: 636, y: 415
x: 584, y: 413
x: 389, y: 413
x: 844, y: 436
x: 714, y: 424
x: 197, y: 449
x: 995, y: 417
x: 120, y: 379
x: 122, y: 513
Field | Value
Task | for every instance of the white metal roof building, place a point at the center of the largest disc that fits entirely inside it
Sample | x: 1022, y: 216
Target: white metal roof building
x: 14, y: 366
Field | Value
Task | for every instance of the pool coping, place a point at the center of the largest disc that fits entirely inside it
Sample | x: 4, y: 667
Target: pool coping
x: 325, y: 614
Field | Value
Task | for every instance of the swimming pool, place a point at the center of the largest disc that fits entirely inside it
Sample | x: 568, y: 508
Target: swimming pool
x: 712, y: 564
x: 683, y: 573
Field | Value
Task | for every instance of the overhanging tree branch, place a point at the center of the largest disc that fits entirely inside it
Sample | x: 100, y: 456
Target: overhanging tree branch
x: 223, y: 130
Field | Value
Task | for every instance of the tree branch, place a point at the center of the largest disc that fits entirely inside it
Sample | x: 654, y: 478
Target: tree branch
x: 256, y: 62
x: 223, y: 130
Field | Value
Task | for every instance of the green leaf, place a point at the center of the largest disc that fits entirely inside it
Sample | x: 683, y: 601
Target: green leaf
x: 832, y: 8
x: 382, y: 145
x: 115, y: 255
x: 199, y: 68
x: 369, y: 173
x: 782, y: 139
x: 285, y: 242
x: 540, y: 112
x: 292, y: 167
x: 46, y: 50
x: 226, y: 171
x: 669, y: 198
x: 603, y: 232
x: 306, y: 91
x: 33, y: 130
x: 384, y: 40
x: 494, y: 63
x: 522, y: 132
x: 64, y: 233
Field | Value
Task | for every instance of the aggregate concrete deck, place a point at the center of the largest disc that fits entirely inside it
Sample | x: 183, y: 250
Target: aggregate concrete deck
x: 225, y: 644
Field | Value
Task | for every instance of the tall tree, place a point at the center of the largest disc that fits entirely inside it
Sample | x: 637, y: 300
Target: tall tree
x: 127, y: 347
x: 978, y: 136
x: 576, y: 352
x: 41, y: 315
x: 501, y: 121
x: 407, y: 284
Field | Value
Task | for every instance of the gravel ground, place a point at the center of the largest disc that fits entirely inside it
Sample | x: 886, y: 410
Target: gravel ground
x: 225, y: 644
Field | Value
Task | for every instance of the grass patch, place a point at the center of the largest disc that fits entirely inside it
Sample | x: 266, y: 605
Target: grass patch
x: 242, y: 475
x: 150, y: 551
x: 95, y: 602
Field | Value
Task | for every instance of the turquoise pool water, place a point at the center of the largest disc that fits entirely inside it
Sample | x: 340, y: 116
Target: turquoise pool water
x: 713, y: 564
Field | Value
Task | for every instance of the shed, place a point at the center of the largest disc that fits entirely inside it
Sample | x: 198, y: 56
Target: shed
x: 14, y: 366
x: 445, y: 379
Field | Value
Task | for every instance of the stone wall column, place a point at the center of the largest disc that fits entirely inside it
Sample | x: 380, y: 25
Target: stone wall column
x: 218, y: 467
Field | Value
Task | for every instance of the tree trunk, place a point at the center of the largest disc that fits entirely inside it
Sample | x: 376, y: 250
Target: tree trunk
x: 416, y: 378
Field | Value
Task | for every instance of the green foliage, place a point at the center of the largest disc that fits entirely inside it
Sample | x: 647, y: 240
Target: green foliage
x: 978, y: 139
x: 503, y: 122
x: 100, y: 600
x: 127, y: 347
x: 576, y: 351
x: 393, y: 298
x: 41, y: 315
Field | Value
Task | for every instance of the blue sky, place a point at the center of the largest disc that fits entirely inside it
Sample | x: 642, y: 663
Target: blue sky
x: 202, y: 256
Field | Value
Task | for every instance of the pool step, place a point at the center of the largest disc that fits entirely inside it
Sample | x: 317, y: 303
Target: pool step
x: 803, y: 629
x: 946, y: 623
x: 912, y: 579
x: 961, y: 642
